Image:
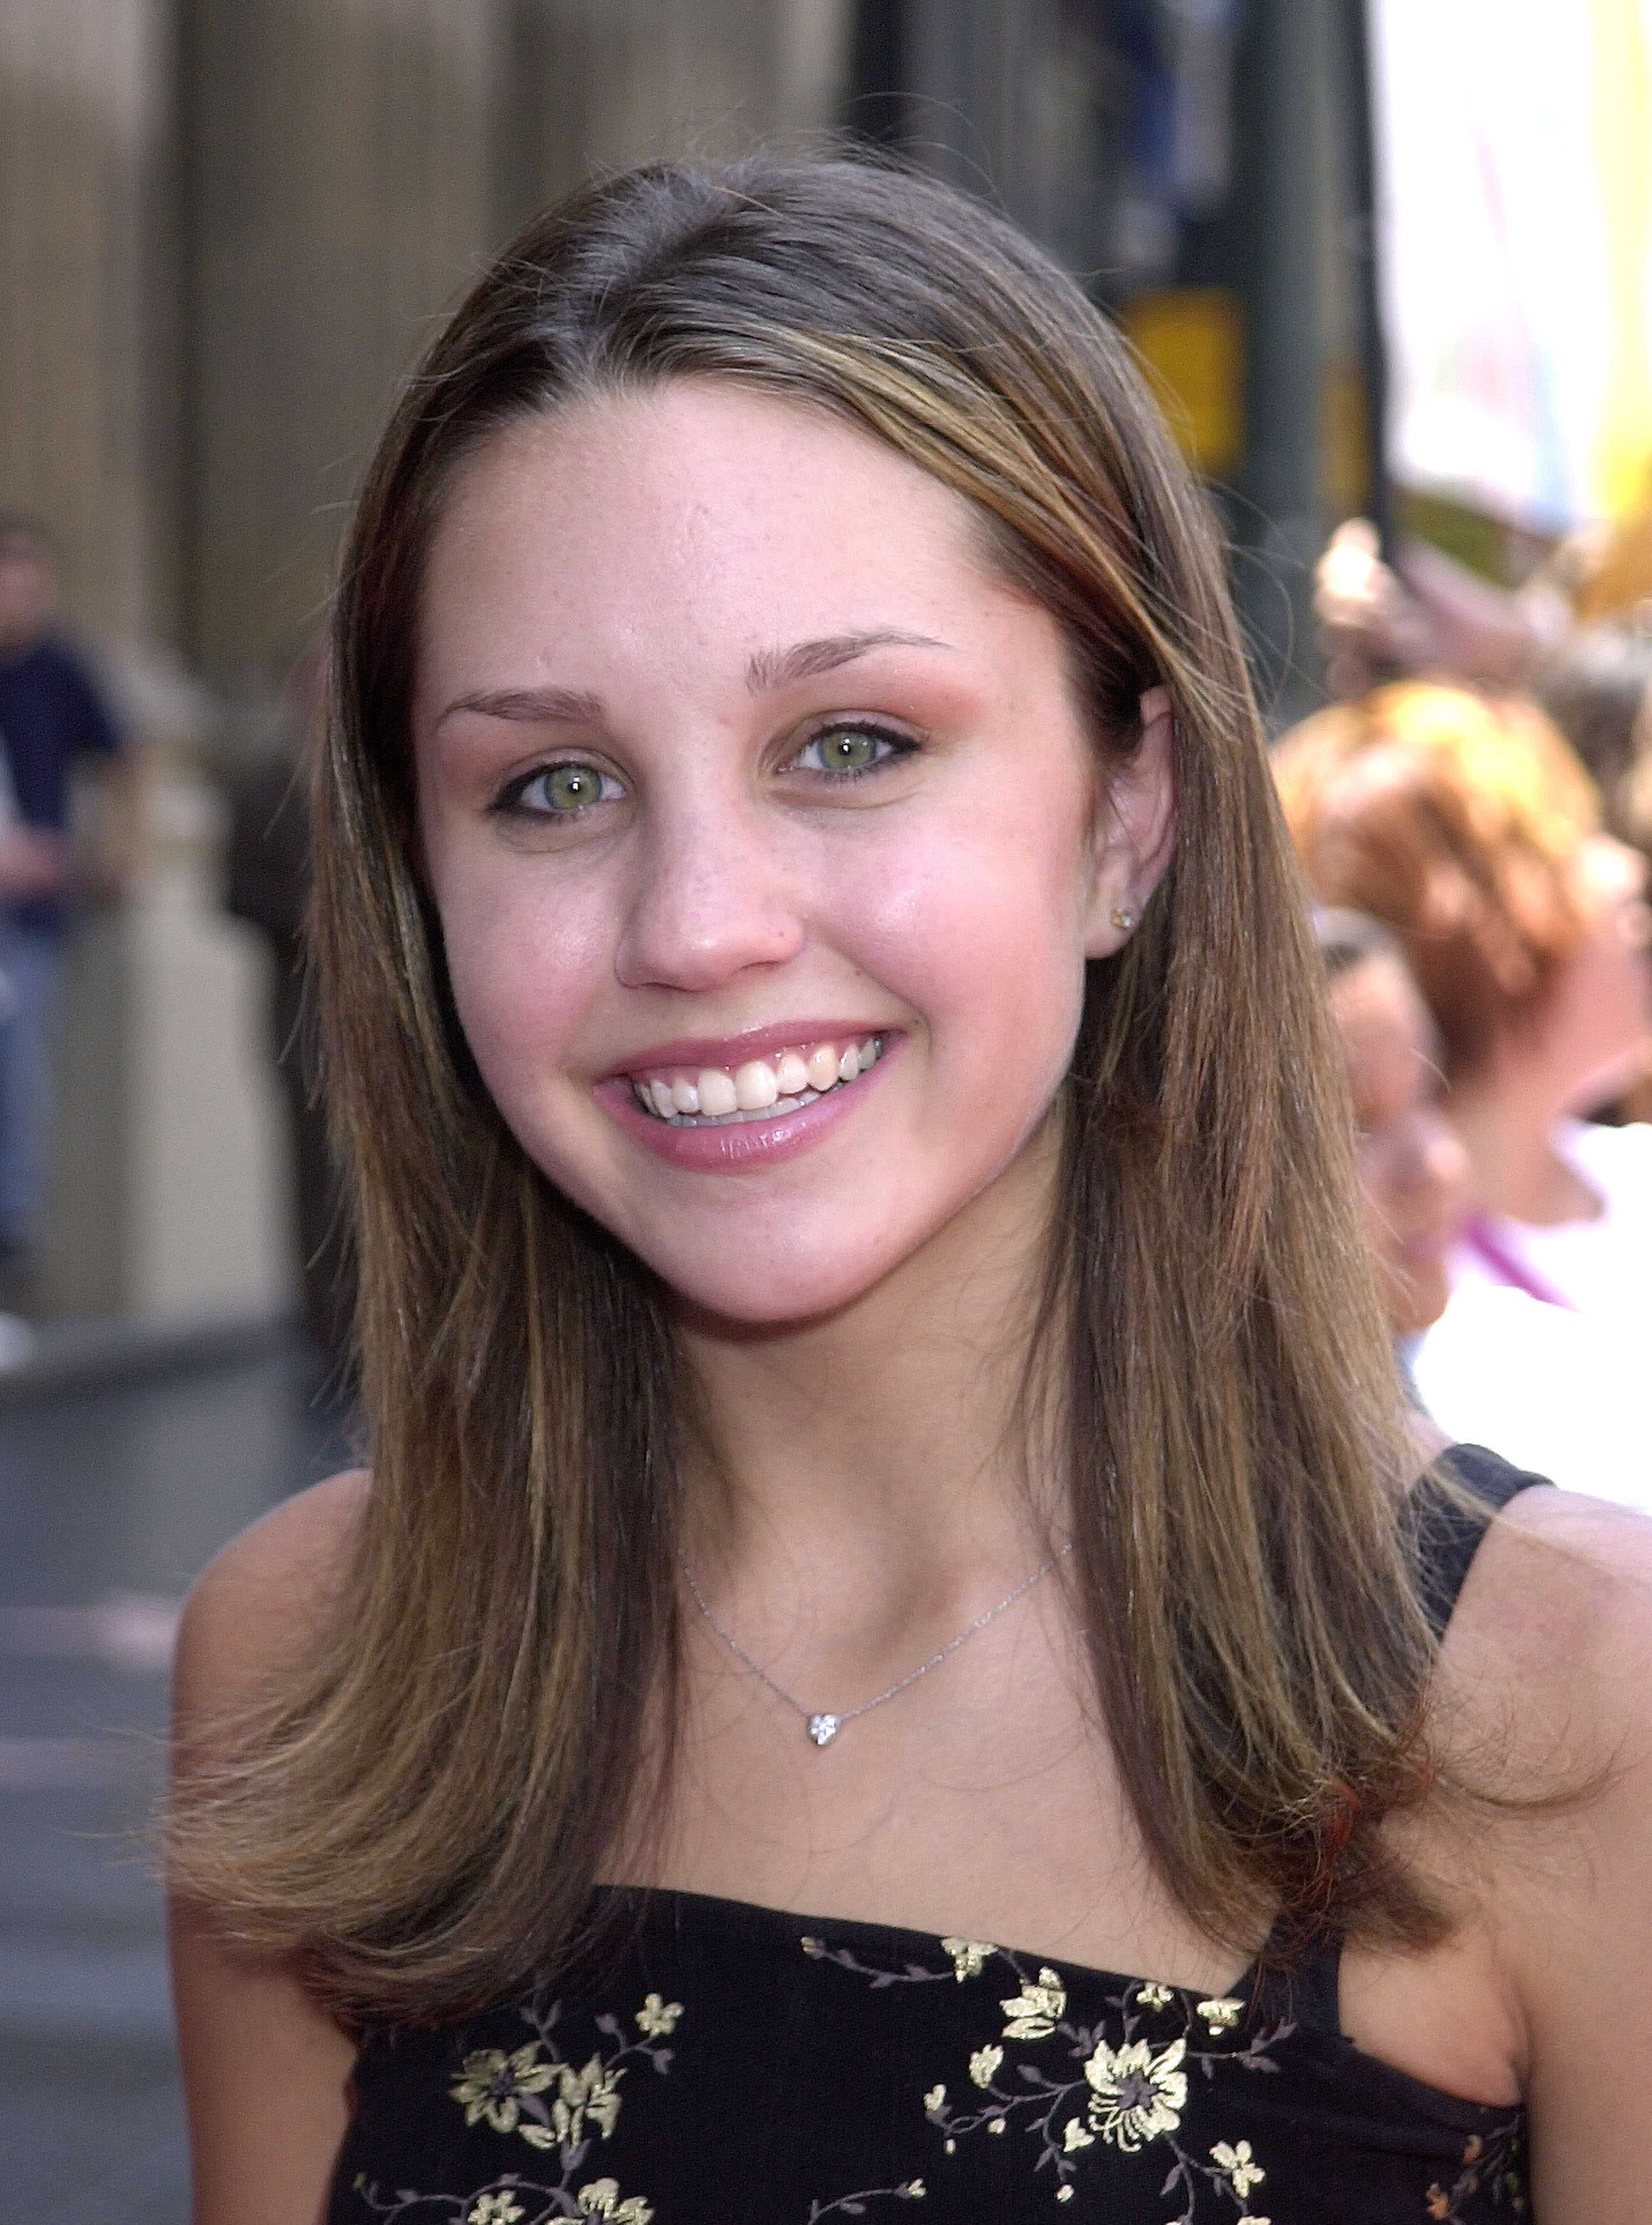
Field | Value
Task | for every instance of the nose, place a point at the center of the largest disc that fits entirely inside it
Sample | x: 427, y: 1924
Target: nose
x: 1437, y: 1161
x: 712, y: 898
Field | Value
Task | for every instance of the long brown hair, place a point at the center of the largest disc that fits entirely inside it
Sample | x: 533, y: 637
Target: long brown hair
x: 424, y: 1810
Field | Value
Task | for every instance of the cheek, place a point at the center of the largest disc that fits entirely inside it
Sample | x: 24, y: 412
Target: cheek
x: 524, y: 971
x: 979, y: 927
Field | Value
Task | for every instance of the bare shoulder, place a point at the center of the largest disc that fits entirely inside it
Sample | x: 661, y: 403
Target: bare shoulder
x: 255, y: 1605
x: 266, y: 2069
x: 1555, y: 1622
x: 1547, y: 1673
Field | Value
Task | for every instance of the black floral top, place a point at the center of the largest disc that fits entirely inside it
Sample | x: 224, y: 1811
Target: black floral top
x: 729, y: 2063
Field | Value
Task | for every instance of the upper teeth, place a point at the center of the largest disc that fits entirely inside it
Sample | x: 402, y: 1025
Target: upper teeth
x: 782, y: 1082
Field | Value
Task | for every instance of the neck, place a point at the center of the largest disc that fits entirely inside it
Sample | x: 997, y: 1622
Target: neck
x: 1505, y: 1115
x: 882, y: 1443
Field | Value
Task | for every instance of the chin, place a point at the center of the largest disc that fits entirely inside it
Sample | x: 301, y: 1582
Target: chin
x: 747, y: 1294
x: 1416, y: 1302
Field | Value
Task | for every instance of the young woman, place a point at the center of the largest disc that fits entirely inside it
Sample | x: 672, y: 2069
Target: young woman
x: 890, y: 1502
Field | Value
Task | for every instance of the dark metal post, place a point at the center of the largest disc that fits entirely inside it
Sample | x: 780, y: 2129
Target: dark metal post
x: 1284, y: 174
x: 1365, y: 249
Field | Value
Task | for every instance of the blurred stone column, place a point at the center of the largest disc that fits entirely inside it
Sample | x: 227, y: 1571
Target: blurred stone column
x: 85, y: 297
x: 979, y: 78
x: 338, y: 166
x: 604, y: 82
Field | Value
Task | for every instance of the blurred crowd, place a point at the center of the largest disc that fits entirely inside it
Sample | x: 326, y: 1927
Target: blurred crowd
x: 1474, y: 821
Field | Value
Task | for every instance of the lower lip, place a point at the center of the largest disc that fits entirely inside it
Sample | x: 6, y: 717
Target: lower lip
x: 742, y: 1144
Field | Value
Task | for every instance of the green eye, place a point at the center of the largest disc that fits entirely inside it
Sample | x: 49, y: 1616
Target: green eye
x: 567, y: 788
x: 850, y: 750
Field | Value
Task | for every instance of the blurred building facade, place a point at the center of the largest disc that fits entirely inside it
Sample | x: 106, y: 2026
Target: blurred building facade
x: 226, y: 227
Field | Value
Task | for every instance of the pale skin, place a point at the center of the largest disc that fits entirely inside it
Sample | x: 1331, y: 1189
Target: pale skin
x: 1588, y: 1039
x: 1412, y: 1171
x: 858, y: 1503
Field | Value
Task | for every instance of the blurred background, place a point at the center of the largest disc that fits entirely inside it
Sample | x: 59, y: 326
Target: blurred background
x: 1389, y: 263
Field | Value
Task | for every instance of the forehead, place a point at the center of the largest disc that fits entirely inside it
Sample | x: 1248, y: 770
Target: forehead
x: 695, y: 516
x: 1380, y: 1011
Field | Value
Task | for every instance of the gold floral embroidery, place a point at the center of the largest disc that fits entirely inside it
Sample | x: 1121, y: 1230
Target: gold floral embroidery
x: 1242, y: 2171
x: 1036, y: 2009
x: 1136, y: 2094
x: 601, y: 2199
x: 531, y: 2093
x: 496, y: 2209
x: 492, y: 2083
x: 968, y: 1956
x: 658, y: 2018
x: 1127, y: 2096
x: 593, y: 2093
x: 854, y: 2205
x: 1221, y: 2015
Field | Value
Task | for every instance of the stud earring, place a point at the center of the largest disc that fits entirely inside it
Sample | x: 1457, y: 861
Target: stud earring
x: 1124, y: 919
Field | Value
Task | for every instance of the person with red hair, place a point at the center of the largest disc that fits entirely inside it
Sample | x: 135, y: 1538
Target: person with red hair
x: 1468, y: 827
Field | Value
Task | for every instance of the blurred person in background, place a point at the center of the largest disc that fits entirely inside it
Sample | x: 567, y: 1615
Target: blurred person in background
x: 1426, y: 613
x: 1469, y: 829
x: 1595, y: 689
x: 53, y: 720
x: 1413, y: 1169
x: 1598, y: 692
x: 1489, y: 1363
x: 267, y: 884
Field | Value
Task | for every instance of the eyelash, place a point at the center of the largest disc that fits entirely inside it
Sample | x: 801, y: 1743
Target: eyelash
x: 510, y: 802
x: 897, y: 746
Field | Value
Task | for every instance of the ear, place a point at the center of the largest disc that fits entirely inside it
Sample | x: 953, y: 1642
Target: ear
x: 1136, y: 830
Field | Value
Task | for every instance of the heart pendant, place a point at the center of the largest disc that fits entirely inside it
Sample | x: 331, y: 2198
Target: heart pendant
x: 823, y: 1728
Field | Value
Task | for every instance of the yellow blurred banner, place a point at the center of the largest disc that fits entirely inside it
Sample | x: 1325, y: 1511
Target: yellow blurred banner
x: 1191, y: 341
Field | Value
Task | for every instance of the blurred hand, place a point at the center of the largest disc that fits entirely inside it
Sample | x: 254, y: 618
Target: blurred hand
x: 33, y: 862
x: 1371, y: 625
x: 1429, y: 615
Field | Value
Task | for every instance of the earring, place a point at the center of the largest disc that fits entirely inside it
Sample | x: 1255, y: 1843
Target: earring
x: 1124, y: 919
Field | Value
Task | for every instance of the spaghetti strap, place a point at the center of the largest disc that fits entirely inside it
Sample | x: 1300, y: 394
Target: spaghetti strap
x: 1301, y: 1989
x: 1448, y: 1534
x: 1298, y: 1989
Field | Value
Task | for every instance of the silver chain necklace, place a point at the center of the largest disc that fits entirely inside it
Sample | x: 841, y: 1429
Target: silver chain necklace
x: 824, y: 1728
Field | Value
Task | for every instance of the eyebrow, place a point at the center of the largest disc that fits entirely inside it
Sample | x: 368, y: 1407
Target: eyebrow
x: 529, y: 706
x: 772, y: 668
x: 767, y: 671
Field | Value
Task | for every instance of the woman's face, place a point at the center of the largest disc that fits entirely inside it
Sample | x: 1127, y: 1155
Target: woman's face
x: 744, y: 788
x: 1597, y: 1024
x: 1412, y: 1171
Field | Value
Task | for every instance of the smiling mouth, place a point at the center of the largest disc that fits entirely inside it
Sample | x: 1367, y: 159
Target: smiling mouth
x: 760, y: 1089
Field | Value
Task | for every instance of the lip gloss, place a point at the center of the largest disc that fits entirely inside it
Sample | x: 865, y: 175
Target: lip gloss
x: 741, y: 1145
